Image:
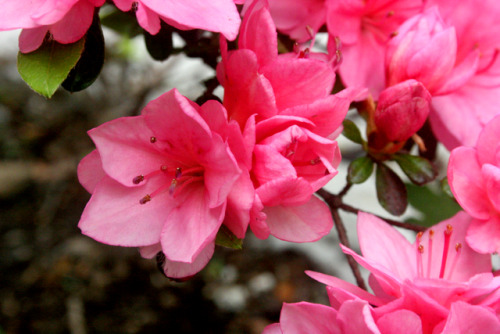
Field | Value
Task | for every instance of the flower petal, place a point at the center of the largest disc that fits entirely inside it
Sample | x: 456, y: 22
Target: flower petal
x: 306, y: 317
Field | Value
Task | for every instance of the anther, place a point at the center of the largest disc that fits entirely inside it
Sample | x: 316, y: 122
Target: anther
x: 178, y: 172
x: 458, y: 246
x: 163, y: 168
x: 138, y: 179
x: 421, y: 249
x: 145, y: 199
x: 390, y: 13
x: 135, y: 6
x: 152, y: 140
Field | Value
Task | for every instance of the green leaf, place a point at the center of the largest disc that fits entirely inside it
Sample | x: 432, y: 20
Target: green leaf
x: 352, y: 132
x: 445, y: 187
x: 435, y: 205
x: 419, y: 170
x: 226, y: 238
x: 46, y: 68
x: 90, y: 63
x: 391, y: 191
x: 359, y: 170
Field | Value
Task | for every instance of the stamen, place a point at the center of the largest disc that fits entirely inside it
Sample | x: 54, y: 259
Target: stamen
x: 152, y: 140
x: 173, y: 184
x: 138, y: 179
x: 337, y: 60
x: 418, y: 253
x: 178, y: 172
x: 458, y: 249
x: 145, y: 199
x: 184, y: 184
x: 429, y: 253
x: 394, y: 34
x: 447, y: 237
x: 390, y: 13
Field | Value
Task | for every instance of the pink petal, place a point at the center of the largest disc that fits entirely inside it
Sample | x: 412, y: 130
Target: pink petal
x: 18, y: 14
x: 149, y: 252
x: 183, y: 128
x: 488, y: 142
x: 465, y: 318
x: 125, y: 149
x: 148, y: 19
x: 246, y: 92
x: 484, y: 235
x: 90, y: 171
x: 74, y: 25
x: 302, y: 223
x: 258, y: 219
x: 345, y: 286
x: 355, y: 317
x: 467, y: 183
x: 285, y: 191
x: 215, y: 115
x: 32, y: 39
x: 306, y: 317
x: 397, y: 255
x: 273, y: 329
x: 469, y: 262
x: 190, y: 226
x: 183, y: 270
x: 258, y: 33
x: 278, y: 123
x: 299, y: 81
x: 239, y: 203
x: 216, y: 15
x: 52, y: 11
x: 358, y: 69
x: 221, y: 171
x: 492, y: 178
x: 114, y: 215
x: 400, y: 321
x: 123, y: 5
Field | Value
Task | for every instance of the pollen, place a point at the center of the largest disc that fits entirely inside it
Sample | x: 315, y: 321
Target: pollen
x: 145, y: 199
x: 152, y: 140
x: 138, y: 179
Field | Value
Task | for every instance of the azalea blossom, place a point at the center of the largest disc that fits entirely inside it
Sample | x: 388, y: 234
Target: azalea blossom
x: 67, y: 21
x: 215, y: 15
x: 436, y: 285
x: 474, y: 178
x: 364, y: 28
x: 162, y: 181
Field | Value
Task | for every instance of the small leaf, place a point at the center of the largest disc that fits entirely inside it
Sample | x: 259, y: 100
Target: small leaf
x: 160, y: 46
x: 351, y: 131
x: 90, y: 64
x: 47, y: 67
x: 391, y: 191
x: 226, y: 238
x: 434, y: 205
x: 359, y: 170
x: 121, y: 22
x: 445, y: 187
x: 419, y: 170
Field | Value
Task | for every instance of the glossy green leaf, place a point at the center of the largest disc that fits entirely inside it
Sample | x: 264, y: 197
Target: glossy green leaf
x: 226, y: 238
x: 351, y: 131
x: 121, y: 22
x: 434, y: 204
x: 419, y: 170
x: 46, y: 68
x: 90, y: 63
x: 359, y: 170
x: 391, y: 191
x: 445, y: 187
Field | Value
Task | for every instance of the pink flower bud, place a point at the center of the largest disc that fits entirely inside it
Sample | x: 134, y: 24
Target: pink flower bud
x: 402, y: 110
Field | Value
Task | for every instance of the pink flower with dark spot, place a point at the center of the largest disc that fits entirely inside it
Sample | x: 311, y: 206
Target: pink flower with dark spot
x: 67, y: 21
x: 215, y: 15
x: 163, y: 181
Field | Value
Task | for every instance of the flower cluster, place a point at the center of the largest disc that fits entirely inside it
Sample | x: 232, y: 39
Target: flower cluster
x: 438, y: 284
x: 174, y: 179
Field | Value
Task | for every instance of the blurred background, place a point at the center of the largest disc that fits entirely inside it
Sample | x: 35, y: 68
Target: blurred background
x: 55, y: 280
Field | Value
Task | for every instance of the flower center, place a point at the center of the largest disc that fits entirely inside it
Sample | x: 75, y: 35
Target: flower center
x: 445, y: 256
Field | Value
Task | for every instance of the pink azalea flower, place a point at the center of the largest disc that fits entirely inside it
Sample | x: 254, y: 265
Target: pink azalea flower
x: 425, y: 49
x: 258, y: 81
x: 474, y: 178
x: 215, y: 15
x: 364, y: 28
x: 164, y: 181
x: 432, y: 279
x: 67, y: 20
x: 402, y: 110
x: 459, y: 117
